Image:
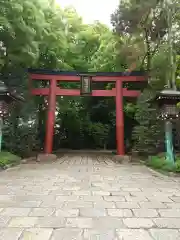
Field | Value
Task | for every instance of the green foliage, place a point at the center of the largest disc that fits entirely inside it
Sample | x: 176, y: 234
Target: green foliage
x: 22, y: 27
x: 7, y: 158
x: 130, y: 108
x: 145, y: 24
x: 178, y: 70
x: 148, y: 133
x: 177, y: 165
x: 100, y: 133
x: 156, y: 162
x: 20, y: 133
x: 22, y: 141
x: 162, y: 164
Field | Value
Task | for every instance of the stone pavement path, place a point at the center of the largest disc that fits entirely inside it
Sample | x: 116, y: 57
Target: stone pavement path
x: 88, y: 198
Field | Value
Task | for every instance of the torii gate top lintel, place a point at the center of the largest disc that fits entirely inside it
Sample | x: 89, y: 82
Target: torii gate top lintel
x: 125, y: 76
x: 53, y: 90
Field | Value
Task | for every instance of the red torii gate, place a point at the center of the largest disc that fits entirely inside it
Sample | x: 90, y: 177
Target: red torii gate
x: 53, y: 90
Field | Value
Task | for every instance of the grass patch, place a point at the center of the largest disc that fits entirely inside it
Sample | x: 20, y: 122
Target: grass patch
x: 161, y: 164
x: 7, y: 158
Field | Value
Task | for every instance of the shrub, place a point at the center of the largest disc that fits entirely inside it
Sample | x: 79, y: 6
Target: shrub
x: 7, y: 158
x: 21, y: 142
x: 162, y: 164
x: 169, y: 167
x: 177, y: 164
x: 156, y: 162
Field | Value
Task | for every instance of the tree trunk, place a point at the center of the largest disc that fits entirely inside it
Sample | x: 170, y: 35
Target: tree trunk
x: 148, y: 47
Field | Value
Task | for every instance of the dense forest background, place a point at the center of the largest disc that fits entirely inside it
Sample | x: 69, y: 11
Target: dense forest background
x: 40, y: 34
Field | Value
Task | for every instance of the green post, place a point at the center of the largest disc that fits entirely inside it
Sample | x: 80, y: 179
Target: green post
x: 169, y: 142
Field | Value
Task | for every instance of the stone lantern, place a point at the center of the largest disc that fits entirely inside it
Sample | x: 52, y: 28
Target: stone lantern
x: 167, y: 101
x: 169, y: 112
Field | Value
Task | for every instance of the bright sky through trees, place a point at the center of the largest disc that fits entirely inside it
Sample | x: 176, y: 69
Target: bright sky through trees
x: 92, y: 10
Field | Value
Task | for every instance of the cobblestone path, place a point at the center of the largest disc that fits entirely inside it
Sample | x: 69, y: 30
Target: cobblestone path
x: 82, y: 197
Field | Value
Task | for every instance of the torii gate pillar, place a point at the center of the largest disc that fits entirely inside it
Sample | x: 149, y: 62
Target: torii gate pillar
x: 50, y: 122
x: 119, y: 119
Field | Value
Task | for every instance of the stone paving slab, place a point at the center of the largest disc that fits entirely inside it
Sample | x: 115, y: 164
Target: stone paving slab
x: 10, y: 233
x: 88, y: 197
x: 129, y: 234
x: 36, y: 234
